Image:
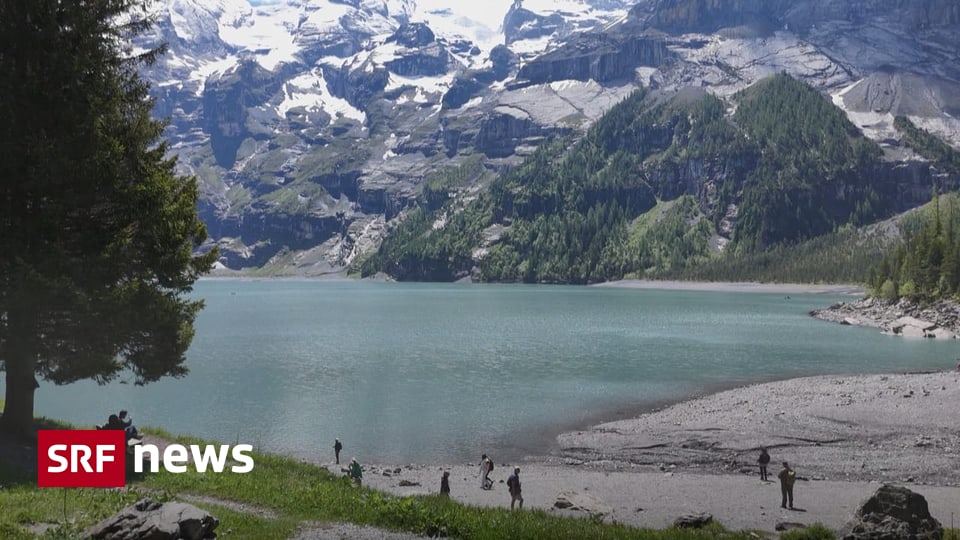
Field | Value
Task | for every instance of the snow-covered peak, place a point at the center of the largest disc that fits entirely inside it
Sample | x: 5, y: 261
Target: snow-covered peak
x: 399, y: 10
x: 199, y: 21
x: 275, y: 31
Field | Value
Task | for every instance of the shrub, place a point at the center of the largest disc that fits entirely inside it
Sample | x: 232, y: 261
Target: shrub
x: 888, y: 291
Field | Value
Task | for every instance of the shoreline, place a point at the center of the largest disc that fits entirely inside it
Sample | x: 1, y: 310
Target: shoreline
x: 666, y: 285
x: 647, y: 470
x: 734, y: 286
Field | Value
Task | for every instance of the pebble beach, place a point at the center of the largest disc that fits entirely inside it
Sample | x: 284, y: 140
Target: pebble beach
x: 844, y: 435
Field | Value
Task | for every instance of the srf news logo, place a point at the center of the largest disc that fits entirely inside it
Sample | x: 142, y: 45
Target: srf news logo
x: 88, y: 458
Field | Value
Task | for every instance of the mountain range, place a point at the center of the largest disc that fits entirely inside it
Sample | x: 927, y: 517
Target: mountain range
x: 314, y: 126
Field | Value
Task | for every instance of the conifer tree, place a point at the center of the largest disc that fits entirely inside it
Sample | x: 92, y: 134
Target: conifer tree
x: 97, y: 231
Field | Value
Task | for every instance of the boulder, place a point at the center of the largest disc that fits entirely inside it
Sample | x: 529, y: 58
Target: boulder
x: 941, y: 333
x: 693, y: 521
x: 151, y: 520
x: 581, y: 502
x: 911, y: 331
x: 903, y: 323
x: 788, y: 526
x: 893, y: 513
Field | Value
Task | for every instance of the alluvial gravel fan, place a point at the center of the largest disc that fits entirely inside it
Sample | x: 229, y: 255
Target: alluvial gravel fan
x: 313, y: 125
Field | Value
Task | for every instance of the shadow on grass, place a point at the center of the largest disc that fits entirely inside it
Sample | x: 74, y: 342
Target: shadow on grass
x: 18, y: 454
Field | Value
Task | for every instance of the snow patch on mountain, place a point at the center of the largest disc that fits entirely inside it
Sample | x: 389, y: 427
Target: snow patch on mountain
x: 478, y: 22
x: 208, y: 69
x: 268, y: 32
x: 531, y: 47
x: 309, y: 91
x: 195, y: 21
x: 429, y: 85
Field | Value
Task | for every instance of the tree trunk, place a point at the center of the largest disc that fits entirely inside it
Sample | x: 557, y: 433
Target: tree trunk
x: 17, y: 417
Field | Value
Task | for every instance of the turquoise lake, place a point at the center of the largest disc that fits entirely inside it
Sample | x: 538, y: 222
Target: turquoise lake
x: 438, y: 373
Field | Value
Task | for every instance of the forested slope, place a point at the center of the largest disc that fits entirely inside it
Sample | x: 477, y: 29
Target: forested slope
x: 682, y: 185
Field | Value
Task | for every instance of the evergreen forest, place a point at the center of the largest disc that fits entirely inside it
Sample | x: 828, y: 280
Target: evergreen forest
x: 925, y: 264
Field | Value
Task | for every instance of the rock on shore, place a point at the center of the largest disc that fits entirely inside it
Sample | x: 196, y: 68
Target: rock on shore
x: 902, y: 317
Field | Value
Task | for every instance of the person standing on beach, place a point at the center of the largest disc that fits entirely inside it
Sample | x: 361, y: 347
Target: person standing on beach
x: 787, y: 478
x: 513, y: 484
x: 337, y: 447
x: 445, y: 484
x: 763, y: 460
x: 356, y: 472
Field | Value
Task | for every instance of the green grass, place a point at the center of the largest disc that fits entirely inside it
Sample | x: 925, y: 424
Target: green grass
x: 71, y: 510
x: 296, y: 493
x: 814, y: 532
x: 242, y: 526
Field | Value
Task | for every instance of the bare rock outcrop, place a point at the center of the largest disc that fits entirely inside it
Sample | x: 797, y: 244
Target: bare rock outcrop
x: 901, y: 318
x: 147, y: 519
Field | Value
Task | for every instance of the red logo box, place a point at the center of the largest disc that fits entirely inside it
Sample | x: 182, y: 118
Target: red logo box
x: 81, y: 458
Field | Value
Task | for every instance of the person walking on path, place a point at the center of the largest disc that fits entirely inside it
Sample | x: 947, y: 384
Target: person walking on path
x: 763, y: 460
x: 513, y: 483
x: 486, y: 465
x: 356, y: 472
x: 487, y: 481
x: 337, y: 447
x: 445, y: 484
x: 787, y: 478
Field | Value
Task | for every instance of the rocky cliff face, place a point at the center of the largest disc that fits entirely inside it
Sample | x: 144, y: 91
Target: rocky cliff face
x: 294, y: 114
x: 524, y: 24
x: 599, y: 57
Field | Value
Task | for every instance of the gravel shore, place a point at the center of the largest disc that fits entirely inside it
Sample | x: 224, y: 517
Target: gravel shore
x: 844, y: 435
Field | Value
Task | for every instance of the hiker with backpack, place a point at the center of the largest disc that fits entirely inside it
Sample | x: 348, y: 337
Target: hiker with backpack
x: 486, y: 467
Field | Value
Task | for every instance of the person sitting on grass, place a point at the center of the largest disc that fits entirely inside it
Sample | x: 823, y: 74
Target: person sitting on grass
x: 114, y: 423
x: 128, y: 426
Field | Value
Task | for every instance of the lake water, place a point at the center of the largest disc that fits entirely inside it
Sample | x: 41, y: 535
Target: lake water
x: 440, y: 373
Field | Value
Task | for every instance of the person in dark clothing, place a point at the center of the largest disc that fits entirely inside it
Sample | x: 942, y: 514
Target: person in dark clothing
x: 356, y: 471
x: 114, y: 423
x: 128, y: 426
x: 513, y: 483
x: 763, y: 460
x: 787, y: 478
x: 445, y: 484
x: 337, y: 447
